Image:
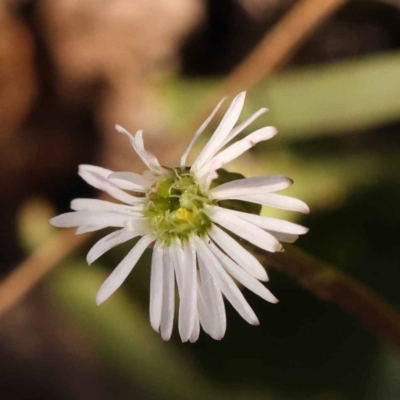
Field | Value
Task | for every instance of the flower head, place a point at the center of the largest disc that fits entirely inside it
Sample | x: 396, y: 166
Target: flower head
x: 184, y: 213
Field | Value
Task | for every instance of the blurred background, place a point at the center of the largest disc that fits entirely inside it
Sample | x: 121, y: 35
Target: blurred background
x: 71, y: 69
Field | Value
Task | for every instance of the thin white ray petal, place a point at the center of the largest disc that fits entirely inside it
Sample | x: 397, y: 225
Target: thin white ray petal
x: 104, y: 172
x: 184, y: 260
x: 156, y: 286
x: 271, y: 224
x: 241, y: 127
x: 246, y: 230
x: 211, y: 176
x: 120, y: 273
x: 241, y: 146
x: 137, y: 225
x: 228, y: 122
x: 176, y: 259
x: 208, y: 173
x: 204, y: 313
x: 94, y: 218
x: 168, y: 305
x: 255, y: 185
x: 242, y: 276
x: 108, y: 242
x: 176, y: 253
x: 274, y: 200
x: 284, y: 237
x: 194, y: 336
x: 198, y: 133
x: 188, y: 301
x: 210, y: 304
x: 87, y: 228
x: 137, y: 181
x: 102, y: 205
x: 148, y: 158
x: 100, y: 182
x: 239, y: 254
x: 125, y: 185
x: 122, y: 130
x: 225, y: 282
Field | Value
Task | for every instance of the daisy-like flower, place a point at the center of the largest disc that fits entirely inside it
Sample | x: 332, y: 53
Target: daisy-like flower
x: 181, y: 212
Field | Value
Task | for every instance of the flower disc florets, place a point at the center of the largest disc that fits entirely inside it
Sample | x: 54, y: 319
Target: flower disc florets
x: 175, y: 206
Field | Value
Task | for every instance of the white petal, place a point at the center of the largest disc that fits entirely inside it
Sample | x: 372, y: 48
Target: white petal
x: 241, y: 146
x: 185, y: 267
x: 125, y: 185
x: 198, y: 133
x: 156, y: 286
x: 274, y: 200
x: 240, y: 255
x: 94, y: 218
x: 195, y: 330
x: 208, y: 173
x: 271, y: 224
x: 284, y: 237
x: 102, y: 205
x: 104, y: 172
x: 228, y: 122
x: 137, y: 225
x: 204, y: 311
x: 108, y: 242
x: 247, y: 186
x: 175, y: 252
x: 168, y: 305
x: 243, y: 229
x: 137, y: 182
x: 88, y: 228
x: 205, y: 316
x: 150, y: 160
x: 210, y: 305
x: 100, y: 182
x: 120, y: 273
x: 242, y: 276
x: 188, y: 302
x: 122, y: 130
x: 244, y: 125
x: 225, y: 282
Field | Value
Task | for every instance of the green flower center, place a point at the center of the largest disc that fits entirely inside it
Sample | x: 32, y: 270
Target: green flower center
x: 175, y: 206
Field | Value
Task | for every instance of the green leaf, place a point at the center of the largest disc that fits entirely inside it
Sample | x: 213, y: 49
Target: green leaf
x: 333, y: 98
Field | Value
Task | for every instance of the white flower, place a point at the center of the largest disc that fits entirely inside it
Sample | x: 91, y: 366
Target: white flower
x: 179, y: 210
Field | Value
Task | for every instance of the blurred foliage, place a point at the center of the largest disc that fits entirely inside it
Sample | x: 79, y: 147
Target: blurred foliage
x: 308, y: 102
x: 336, y: 98
x: 121, y: 334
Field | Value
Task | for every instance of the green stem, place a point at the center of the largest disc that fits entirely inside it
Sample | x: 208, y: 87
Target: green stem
x: 330, y: 284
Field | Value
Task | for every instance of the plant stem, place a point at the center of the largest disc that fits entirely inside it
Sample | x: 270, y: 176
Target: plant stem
x: 331, y: 284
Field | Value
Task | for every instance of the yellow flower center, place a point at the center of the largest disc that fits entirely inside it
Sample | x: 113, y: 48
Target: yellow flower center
x: 175, y: 206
